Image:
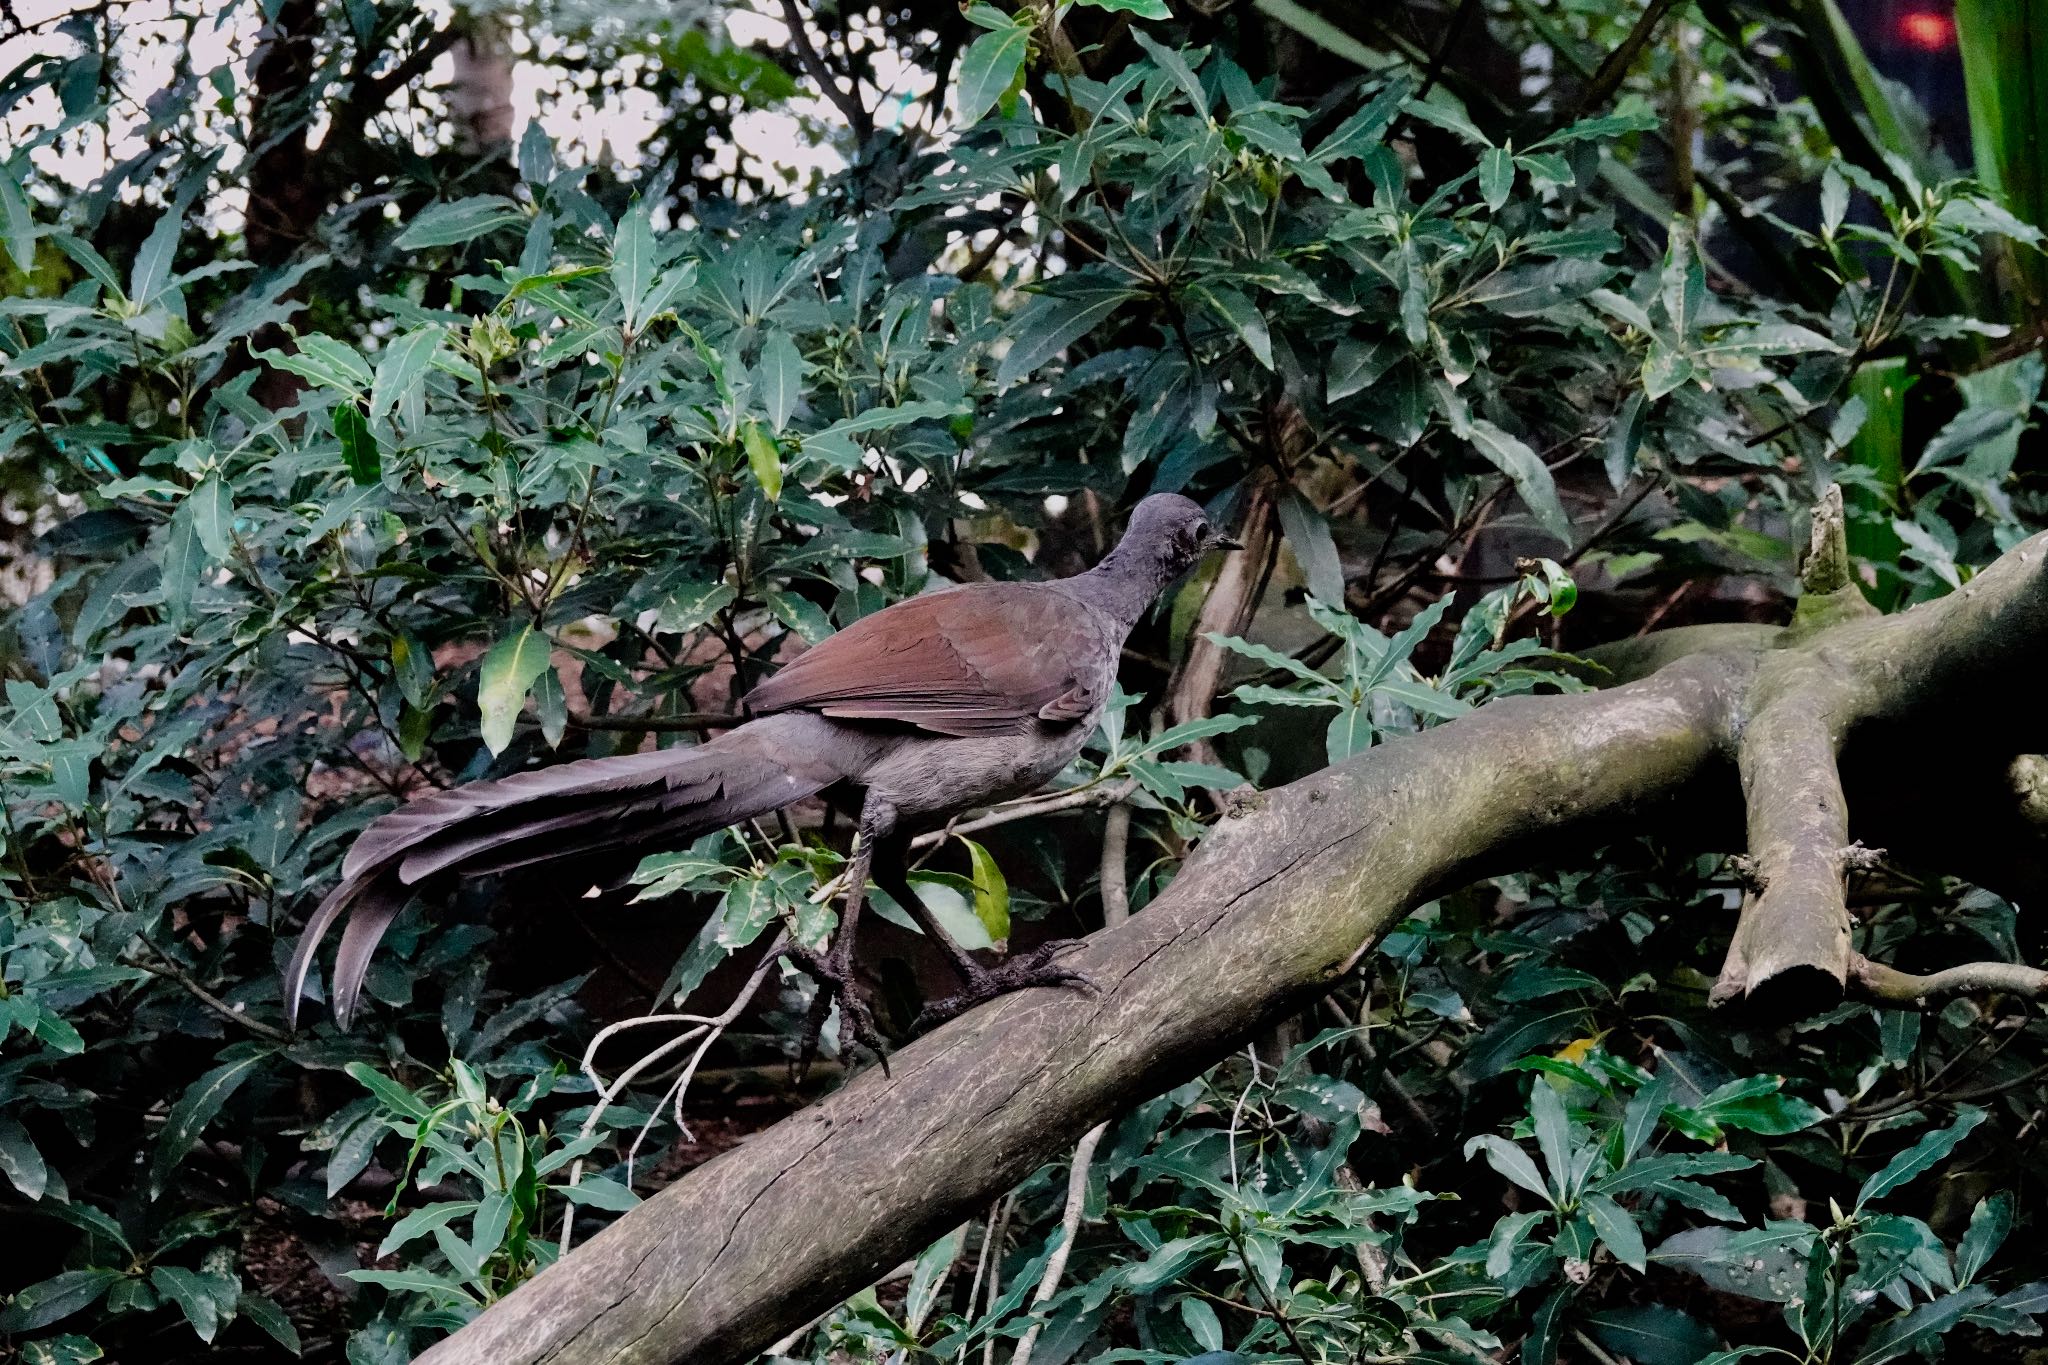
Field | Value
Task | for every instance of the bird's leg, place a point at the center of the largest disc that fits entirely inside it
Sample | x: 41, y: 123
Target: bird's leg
x: 1034, y: 968
x: 833, y: 969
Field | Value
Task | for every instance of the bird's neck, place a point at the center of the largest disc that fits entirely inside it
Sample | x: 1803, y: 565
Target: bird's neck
x: 1124, y: 584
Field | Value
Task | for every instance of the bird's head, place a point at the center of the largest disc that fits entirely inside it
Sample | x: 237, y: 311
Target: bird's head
x: 1172, y: 533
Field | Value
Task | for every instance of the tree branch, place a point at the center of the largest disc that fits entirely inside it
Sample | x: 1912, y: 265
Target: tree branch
x: 846, y: 101
x: 1882, y: 985
x: 1286, y: 895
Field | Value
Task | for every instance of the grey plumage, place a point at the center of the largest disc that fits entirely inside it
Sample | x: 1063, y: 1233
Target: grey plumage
x: 934, y: 705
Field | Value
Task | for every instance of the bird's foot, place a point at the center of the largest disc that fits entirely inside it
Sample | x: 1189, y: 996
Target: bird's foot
x: 1035, y: 968
x: 833, y: 971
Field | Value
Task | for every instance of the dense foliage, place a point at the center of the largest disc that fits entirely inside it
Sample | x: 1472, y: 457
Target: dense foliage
x: 404, y: 461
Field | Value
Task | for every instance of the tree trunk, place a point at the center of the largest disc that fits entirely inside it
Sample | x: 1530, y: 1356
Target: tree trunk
x: 1285, y: 896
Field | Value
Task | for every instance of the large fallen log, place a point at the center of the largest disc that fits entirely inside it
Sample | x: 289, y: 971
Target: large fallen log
x: 1285, y: 896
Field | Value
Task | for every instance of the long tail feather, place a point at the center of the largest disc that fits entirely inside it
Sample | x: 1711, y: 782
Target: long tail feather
x: 552, y: 814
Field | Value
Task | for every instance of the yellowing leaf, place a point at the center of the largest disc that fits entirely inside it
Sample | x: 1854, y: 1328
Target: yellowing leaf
x: 991, y: 892
x: 764, y: 459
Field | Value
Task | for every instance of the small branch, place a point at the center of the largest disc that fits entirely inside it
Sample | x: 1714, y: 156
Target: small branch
x: 1882, y: 985
x: 1116, y: 843
x: 1452, y: 31
x: 846, y: 101
x: 1095, y: 794
x: 704, y: 1030
x: 1070, y: 1227
x: 1614, y: 70
x: 1228, y: 609
x: 171, y: 971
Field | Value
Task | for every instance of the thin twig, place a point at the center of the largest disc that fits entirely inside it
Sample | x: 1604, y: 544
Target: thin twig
x: 704, y: 1030
x: 1093, y: 794
x: 1070, y: 1228
x: 171, y: 971
x: 847, y: 102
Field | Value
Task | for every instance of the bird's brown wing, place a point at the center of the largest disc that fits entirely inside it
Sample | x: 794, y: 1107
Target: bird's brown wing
x: 985, y: 659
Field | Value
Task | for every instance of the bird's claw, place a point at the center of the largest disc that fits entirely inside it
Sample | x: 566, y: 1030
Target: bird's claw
x: 1035, y: 968
x: 834, y: 974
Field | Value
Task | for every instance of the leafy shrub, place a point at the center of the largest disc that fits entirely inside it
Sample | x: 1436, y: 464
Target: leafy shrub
x: 533, y: 475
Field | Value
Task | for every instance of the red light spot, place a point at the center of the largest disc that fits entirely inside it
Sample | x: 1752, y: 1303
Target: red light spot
x: 1926, y: 30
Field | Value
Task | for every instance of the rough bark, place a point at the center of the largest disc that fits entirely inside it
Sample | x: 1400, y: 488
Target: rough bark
x: 1285, y: 896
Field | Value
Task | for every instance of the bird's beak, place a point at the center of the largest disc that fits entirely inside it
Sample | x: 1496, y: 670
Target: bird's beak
x: 1226, y: 543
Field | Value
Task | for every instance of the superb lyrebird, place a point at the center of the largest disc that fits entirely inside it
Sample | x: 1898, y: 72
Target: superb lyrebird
x: 930, y: 707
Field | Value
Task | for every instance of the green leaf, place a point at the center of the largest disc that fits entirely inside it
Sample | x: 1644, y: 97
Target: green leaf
x: 1243, y: 316
x: 58, y: 1297
x: 402, y: 373
x: 1445, y: 111
x: 351, y: 1156
x: 421, y: 1222
x: 1989, y: 1223
x: 1511, y: 1161
x: 1528, y: 473
x: 536, y: 156
x: 551, y: 705
x: 460, y: 221
x: 1508, y: 1235
x: 20, y: 1161
x: 502, y: 682
x: 359, y: 453
x: 1834, y: 199
x: 1652, y: 1334
x: 1271, y: 658
x: 389, y: 1093
x: 1337, y: 42
x: 1308, y: 531
x: 765, y: 459
x: 686, y: 608
x: 778, y: 378
x: 800, y: 614
x: 601, y: 1194
x: 834, y: 444
x: 991, y: 892
x: 1051, y: 323
x: 193, y: 1111
x: 1553, y: 1137
x: 152, y: 268
x: 268, y: 1316
x: 633, y: 260
x: 1202, y: 1324
x: 1534, y: 289
x: 16, y: 222
x: 1616, y: 1228
x: 90, y: 261
x: 1496, y: 176
x: 1350, y: 733
x: 324, y: 361
x: 213, y: 516
x: 664, y: 874
x: 1175, y: 64
x: 991, y: 65
x: 207, y: 1300
x: 1143, y: 9
x: 1920, y: 1157
x: 64, y: 1350
x: 416, y: 1281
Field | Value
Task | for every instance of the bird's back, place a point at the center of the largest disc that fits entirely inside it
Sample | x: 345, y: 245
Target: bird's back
x: 982, y: 659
